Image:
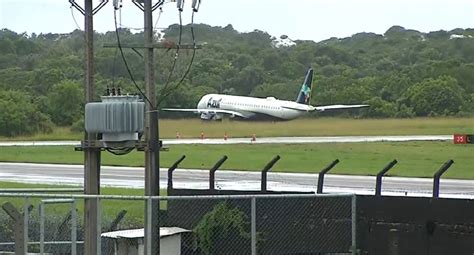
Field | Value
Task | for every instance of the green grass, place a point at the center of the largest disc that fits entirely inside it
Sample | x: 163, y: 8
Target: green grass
x: 317, y: 127
x: 58, y: 134
x: 419, y: 159
x: 191, y: 128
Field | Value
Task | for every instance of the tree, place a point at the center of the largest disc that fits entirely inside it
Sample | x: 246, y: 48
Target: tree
x: 440, y: 96
x: 379, y: 108
x: 65, y: 103
x: 7, y: 46
x: 246, y: 80
x: 44, y: 79
x: 278, y: 90
x: 19, y: 116
x: 388, y: 70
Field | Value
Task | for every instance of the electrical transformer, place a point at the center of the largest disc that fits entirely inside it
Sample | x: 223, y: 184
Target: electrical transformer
x: 118, y: 118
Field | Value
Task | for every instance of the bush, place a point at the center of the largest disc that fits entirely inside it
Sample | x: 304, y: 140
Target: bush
x: 379, y: 108
x: 19, y: 116
x: 222, y: 231
x: 78, y: 126
x: 434, y: 97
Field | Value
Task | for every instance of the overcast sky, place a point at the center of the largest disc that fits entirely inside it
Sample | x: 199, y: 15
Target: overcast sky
x: 299, y: 19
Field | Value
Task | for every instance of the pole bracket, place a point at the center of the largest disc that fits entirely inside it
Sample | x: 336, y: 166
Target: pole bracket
x: 265, y: 170
x: 170, y: 171
x: 378, y: 182
x: 94, y: 10
x: 213, y: 170
x: 322, y: 173
x: 437, y: 176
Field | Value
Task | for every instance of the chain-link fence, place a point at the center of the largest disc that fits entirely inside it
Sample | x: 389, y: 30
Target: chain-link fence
x: 242, y: 224
x: 50, y: 226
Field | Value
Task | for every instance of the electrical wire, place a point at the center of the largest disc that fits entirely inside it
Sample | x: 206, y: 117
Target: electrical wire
x: 194, y: 51
x: 167, y: 93
x: 165, y: 88
x: 74, y: 18
x: 120, y: 151
x: 152, y: 107
x: 114, y: 68
x: 158, y: 19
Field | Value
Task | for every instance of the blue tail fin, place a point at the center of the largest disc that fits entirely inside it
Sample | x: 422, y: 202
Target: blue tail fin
x: 305, y: 93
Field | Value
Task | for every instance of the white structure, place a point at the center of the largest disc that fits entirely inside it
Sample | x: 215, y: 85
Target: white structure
x: 131, y: 241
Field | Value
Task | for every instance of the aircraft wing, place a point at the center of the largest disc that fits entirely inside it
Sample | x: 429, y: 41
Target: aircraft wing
x: 338, y: 106
x: 205, y: 111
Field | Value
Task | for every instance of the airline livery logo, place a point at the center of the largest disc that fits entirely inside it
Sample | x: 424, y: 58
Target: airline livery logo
x: 306, y: 91
x: 214, y: 103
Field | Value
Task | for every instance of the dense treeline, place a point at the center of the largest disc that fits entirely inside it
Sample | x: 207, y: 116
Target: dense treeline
x: 402, y: 73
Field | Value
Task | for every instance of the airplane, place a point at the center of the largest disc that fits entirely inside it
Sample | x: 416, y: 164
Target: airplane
x: 216, y: 106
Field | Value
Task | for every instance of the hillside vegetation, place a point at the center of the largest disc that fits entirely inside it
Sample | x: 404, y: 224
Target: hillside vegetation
x: 402, y: 73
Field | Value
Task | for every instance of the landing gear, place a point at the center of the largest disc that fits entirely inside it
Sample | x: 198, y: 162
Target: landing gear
x: 211, y: 116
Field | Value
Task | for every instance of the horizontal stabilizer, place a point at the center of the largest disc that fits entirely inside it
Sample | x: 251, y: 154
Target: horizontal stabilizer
x: 339, y: 106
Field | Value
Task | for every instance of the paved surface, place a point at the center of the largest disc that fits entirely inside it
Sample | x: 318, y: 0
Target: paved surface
x: 262, y: 140
x: 132, y: 177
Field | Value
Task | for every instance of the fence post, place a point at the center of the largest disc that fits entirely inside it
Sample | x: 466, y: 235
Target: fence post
x: 26, y: 214
x: 99, y: 227
x: 149, y: 212
x: 265, y: 171
x: 171, y: 169
x: 73, y: 227
x: 437, y: 176
x: 41, y: 212
x: 213, y: 172
x: 20, y: 240
x: 354, y: 223
x: 378, y: 182
x: 322, y: 173
x: 253, y: 212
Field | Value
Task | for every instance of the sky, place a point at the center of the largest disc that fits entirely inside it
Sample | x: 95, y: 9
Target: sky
x: 299, y: 19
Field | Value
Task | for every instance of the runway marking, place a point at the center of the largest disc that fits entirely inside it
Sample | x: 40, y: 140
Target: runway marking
x: 261, y: 140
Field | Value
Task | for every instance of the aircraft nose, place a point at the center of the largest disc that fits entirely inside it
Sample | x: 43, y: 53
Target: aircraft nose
x: 202, y: 102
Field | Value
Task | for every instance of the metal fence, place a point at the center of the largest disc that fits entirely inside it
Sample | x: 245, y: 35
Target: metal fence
x: 235, y: 224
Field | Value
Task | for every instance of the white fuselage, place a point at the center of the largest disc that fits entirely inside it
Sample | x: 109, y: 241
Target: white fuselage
x: 251, y: 107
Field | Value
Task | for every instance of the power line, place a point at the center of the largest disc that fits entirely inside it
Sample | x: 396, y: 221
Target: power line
x: 126, y: 64
x: 74, y: 18
x: 175, y: 57
x: 167, y: 93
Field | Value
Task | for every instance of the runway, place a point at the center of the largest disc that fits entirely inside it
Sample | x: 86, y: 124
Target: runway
x: 132, y: 177
x: 261, y: 140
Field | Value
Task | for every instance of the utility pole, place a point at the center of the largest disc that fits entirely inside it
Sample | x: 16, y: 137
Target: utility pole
x: 152, y: 156
x: 91, y: 155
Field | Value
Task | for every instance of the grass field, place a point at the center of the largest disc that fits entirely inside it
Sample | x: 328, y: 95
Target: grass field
x: 419, y: 159
x: 317, y: 127
x: 416, y: 158
x: 191, y: 128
